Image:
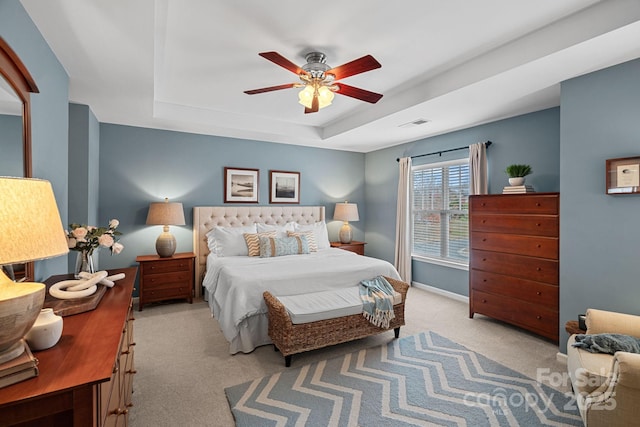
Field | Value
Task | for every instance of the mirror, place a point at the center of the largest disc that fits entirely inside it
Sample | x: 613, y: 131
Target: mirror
x: 16, y: 84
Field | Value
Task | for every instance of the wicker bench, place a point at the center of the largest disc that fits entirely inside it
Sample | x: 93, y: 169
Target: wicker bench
x: 290, y: 338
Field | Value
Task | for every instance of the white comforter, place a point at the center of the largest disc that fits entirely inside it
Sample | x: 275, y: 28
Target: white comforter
x: 235, y: 284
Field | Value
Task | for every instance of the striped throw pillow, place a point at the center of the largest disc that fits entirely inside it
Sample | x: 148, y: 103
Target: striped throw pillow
x: 311, y: 238
x: 253, y: 241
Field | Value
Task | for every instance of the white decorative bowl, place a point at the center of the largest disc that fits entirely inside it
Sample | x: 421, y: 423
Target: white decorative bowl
x: 46, y: 331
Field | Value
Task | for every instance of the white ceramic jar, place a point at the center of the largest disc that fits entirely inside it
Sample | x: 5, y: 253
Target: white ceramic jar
x: 46, y: 330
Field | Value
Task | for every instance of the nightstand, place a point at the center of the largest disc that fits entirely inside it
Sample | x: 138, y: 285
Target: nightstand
x: 357, y: 247
x: 166, y: 278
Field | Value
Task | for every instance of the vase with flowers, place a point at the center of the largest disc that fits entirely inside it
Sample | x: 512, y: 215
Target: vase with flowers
x: 86, y: 238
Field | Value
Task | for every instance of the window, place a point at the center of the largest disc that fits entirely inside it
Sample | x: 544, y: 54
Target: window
x: 441, y: 212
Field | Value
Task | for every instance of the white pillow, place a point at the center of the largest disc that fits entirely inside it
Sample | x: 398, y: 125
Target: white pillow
x: 319, y: 230
x: 230, y: 240
x: 281, y: 230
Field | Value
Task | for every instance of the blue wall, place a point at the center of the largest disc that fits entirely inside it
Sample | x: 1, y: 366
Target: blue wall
x: 139, y: 166
x: 84, y: 160
x: 49, y: 111
x: 531, y: 138
x: 11, y: 145
x: 599, y: 234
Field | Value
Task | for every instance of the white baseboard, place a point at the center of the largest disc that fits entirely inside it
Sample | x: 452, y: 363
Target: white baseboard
x: 561, y: 357
x: 442, y: 292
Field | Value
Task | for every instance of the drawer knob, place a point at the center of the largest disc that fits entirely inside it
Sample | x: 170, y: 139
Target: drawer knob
x: 538, y: 204
x: 132, y: 371
x: 484, y: 259
x: 538, y: 293
x: 538, y: 317
x: 539, y: 246
x: 539, y: 225
x: 484, y: 280
x: 538, y: 269
x: 484, y: 240
x: 484, y: 221
x: 484, y: 300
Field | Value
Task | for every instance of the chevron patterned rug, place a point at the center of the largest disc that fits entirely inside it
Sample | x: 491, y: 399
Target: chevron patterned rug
x: 419, y: 380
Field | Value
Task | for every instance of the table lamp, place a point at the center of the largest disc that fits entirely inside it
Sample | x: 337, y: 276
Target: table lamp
x: 346, y: 212
x: 165, y: 214
x: 30, y: 230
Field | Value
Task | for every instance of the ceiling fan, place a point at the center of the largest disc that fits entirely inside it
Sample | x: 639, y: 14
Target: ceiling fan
x: 320, y: 81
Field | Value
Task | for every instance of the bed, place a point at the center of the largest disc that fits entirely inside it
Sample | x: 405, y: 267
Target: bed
x: 233, y: 283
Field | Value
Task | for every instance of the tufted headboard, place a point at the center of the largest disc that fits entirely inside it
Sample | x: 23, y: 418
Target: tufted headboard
x: 207, y: 217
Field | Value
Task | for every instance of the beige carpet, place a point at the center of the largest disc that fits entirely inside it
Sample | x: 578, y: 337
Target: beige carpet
x: 183, y: 362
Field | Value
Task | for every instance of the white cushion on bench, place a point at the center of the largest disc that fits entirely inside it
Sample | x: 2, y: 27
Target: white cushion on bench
x: 306, y: 308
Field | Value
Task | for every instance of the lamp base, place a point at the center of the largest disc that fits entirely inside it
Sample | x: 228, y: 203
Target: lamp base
x: 166, y: 245
x: 345, y: 233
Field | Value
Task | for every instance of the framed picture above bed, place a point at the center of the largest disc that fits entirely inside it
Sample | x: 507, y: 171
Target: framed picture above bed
x: 284, y: 187
x: 241, y: 185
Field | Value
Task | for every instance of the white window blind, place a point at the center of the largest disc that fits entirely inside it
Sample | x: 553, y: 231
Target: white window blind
x: 441, y: 211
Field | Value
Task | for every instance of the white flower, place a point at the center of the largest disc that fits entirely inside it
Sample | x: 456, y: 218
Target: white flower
x: 84, y: 237
x: 106, y: 240
x: 79, y: 233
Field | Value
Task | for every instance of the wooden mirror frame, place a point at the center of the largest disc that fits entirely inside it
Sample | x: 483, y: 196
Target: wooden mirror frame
x: 18, y: 77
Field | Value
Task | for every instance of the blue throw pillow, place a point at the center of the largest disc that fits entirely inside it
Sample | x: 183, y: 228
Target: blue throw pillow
x: 279, y: 246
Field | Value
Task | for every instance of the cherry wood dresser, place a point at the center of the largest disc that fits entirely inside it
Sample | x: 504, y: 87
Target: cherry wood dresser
x: 514, y: 260
x: 86, y: 379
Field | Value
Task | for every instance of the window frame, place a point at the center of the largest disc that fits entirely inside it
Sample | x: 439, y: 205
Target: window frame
x: 448, y: 262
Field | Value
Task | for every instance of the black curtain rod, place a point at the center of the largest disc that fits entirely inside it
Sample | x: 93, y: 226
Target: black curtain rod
x: 487, y: 144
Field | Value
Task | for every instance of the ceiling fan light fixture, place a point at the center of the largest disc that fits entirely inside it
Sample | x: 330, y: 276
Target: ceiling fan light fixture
x: 325, y: 96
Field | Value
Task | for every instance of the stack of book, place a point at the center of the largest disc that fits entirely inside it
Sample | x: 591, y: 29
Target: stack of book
x: 515, y: 189
x: 19, y: 369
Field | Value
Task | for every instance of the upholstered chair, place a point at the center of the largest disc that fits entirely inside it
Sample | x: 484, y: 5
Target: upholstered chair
x: 606, y: 387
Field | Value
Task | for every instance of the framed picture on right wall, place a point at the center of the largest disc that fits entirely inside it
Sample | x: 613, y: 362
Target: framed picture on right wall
x: 284, y: 187
x: 623, y: 175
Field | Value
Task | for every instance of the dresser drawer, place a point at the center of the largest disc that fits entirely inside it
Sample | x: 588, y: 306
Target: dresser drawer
x: 543, y: 204
x: 533, y: 317
x: 536, y: 269
x: 535, y: 225
x: 159, y: 294
x: 156, y: 267
x: 153, y: 281
x: 522, y: 289
x: 543, y: 247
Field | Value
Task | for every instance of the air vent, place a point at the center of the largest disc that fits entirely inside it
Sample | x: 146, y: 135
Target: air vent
x: 416, y: 122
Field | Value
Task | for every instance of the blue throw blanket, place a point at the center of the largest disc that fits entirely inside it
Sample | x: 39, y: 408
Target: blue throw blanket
x: 607, y: 343
x: 377, y: 301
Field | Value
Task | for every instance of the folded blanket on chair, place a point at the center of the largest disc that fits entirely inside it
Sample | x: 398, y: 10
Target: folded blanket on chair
x: 607, y: 343
x: 377, y: 301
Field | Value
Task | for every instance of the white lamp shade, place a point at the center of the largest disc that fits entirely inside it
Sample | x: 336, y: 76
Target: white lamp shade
x: 346, y: 212
x: 165, y: 213
x: 30, y: 224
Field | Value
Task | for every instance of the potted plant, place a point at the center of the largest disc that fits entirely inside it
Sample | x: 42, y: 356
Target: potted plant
x: 517, y: 173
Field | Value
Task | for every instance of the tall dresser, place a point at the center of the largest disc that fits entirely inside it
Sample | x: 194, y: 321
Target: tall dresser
x: 514, y: 262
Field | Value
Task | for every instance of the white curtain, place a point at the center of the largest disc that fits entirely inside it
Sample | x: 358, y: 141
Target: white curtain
x: 478, y: 168
x: 403, y: 221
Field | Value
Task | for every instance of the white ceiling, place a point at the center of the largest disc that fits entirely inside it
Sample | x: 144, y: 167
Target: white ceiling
x: 183, y: 65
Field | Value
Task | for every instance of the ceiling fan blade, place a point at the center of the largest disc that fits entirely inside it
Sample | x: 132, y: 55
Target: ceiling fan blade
x: 357, y: 66
x: 357, y: 93
x: 270, y: 89
x: 280, y: 60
